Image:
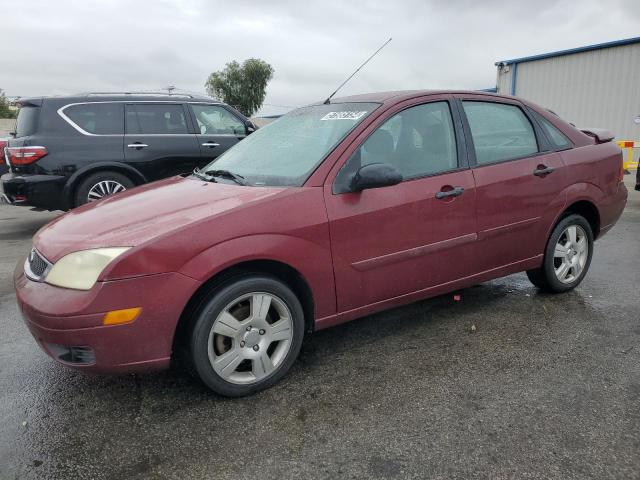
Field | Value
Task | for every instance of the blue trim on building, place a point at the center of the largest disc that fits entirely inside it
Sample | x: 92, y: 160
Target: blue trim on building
x: 587, y: 48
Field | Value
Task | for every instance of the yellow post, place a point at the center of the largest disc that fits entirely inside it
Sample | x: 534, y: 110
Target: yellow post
x: 629, y: 160
x: 628, y: 163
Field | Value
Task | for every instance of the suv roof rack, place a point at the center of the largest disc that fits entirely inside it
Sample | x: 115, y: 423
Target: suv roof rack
x: 141, y: 94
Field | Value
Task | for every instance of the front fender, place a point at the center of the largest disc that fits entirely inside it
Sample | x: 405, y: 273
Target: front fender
x: 311, y: 260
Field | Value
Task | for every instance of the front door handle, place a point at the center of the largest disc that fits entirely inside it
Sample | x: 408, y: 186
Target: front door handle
x: 542, y: 170
x: 210, y: 144
x: 137, y: 145
x: 455, y: 192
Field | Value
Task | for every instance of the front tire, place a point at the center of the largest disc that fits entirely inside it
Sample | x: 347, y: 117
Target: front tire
x: 246, y: 336
x: 567, y: 256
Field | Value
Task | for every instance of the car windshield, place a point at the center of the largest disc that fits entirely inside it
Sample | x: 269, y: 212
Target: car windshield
x: 287, y: 151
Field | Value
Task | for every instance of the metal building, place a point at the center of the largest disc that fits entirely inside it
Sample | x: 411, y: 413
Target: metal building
x: 591, y: 86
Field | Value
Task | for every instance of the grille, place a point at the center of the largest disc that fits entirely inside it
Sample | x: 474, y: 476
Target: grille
x: 36, y: 265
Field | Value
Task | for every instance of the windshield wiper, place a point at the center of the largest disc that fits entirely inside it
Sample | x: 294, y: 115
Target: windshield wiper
x: 203, y: 175
x: 239, y: 179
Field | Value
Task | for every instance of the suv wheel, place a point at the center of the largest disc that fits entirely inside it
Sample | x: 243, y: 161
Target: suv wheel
x: 246, y: 336
x: 100, y: 185
x: 567, y: 256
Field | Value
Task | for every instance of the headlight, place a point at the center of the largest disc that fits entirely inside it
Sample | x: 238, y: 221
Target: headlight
x: 80, y: 270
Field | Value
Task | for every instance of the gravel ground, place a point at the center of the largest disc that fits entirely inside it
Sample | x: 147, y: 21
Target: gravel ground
x: 546, y: 387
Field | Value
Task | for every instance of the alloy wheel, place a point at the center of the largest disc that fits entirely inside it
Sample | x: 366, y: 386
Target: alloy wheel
x: 250, y: 338
x: 570, y: 254
x: 104, y: 188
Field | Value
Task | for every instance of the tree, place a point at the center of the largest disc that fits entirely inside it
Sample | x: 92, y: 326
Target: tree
x: 242, y: 86
x: 5, y: 110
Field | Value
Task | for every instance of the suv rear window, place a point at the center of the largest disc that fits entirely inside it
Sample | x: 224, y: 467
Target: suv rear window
x: 97, y: 118
x: 27, y: 122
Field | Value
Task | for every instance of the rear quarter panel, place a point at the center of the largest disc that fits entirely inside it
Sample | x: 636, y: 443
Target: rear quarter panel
x: 594, y: 175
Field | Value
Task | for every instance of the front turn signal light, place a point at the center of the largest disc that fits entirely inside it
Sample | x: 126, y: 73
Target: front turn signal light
x: 118, y: 317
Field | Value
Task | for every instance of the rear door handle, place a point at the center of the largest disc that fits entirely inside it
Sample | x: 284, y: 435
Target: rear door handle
x: 210, y: 144
x: 543, y: 170
x: 137, y: 145
x: 455, y: 192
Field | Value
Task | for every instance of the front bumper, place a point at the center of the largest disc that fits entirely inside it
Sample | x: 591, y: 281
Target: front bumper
x: 42, y: 191
x: 67, y: 324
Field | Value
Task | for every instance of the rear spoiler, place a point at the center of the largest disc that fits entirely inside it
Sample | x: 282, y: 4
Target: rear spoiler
x: 29, y: 102
x: 599, y: 134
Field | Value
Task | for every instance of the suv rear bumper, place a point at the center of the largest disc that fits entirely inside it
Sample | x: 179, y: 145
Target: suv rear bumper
x: 42, y: 191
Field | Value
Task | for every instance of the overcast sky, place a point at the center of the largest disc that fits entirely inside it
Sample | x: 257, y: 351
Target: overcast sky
x: 60, y: 47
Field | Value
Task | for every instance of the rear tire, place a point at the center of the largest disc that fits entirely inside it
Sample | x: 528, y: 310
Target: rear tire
x: 567, y: 256
x: 101, y: 184
x: 246, y: 336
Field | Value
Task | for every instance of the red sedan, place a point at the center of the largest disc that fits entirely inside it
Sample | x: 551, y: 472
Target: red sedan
x: 332, y: 212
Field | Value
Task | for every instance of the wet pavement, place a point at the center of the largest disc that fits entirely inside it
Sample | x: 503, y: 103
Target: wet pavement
x: 548, y: 386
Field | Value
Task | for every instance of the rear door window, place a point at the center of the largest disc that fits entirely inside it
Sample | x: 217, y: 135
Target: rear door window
x: 156, y: 119
x: 97, y: 118
x: 27, y: 121
x: 500, y: 131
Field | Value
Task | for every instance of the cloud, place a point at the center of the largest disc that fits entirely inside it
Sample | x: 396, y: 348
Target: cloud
x: 63, y: 47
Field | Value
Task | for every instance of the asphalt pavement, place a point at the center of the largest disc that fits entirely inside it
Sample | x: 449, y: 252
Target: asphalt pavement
x: 505, y: 383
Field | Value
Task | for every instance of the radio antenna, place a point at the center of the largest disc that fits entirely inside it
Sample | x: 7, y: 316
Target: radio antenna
x: 328, y: 100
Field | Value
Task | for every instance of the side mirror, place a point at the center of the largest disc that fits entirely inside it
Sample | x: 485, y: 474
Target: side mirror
x: 375, y: 175
x: 250, y: 127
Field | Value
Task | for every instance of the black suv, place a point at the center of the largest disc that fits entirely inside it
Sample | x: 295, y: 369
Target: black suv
x: 68, y: 151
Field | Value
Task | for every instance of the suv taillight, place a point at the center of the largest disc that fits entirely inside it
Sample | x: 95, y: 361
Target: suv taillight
x: 25, y: 155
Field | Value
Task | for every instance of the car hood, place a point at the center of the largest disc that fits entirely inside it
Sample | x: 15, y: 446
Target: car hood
x: 134, y: 217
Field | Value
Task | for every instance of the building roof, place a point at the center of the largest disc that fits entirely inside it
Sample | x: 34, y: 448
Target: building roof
x: 587, y: 48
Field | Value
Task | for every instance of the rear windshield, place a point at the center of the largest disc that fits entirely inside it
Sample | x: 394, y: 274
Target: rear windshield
x: 27, y: 122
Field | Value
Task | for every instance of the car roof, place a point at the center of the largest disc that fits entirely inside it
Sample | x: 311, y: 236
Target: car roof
x: 401, y: 95
x: 119, y: 97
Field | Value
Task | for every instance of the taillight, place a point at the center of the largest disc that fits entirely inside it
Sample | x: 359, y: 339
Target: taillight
x: 25, y: 155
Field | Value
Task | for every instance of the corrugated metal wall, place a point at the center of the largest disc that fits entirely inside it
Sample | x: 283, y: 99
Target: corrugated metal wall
x: 503, y: 83
x: 598, y: 88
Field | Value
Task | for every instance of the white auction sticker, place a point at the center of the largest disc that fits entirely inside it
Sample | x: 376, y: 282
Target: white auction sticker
x: 343, y: 115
